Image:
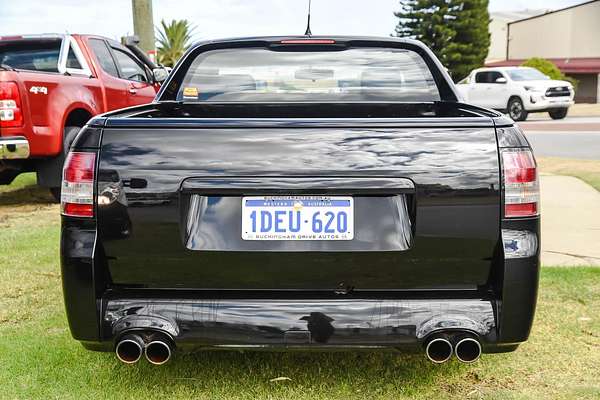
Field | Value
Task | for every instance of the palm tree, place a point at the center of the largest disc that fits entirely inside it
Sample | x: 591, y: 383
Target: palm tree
x: 173, y: 40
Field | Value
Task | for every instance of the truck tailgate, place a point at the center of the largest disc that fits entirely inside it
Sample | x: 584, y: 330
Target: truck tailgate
x: 426, y: 202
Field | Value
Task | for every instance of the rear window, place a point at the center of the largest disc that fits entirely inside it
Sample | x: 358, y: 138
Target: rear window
x: 262, y: 75
x: 31, y: 55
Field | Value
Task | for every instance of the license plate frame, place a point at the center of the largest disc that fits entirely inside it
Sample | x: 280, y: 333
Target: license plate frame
x: 297, y: 219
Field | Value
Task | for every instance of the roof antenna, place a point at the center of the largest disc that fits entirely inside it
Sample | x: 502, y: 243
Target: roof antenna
x: 308, y: 32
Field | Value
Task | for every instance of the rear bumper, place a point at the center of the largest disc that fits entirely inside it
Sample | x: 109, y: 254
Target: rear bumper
x: 500, y: 314
x: 14, y: 148
x: 326, y: 323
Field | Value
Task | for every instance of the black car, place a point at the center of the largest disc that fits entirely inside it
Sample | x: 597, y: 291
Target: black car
x: 301, y: 192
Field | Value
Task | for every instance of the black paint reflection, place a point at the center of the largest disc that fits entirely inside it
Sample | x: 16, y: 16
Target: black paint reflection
x: 332, y: 322
x: 319, y: 326
x: 456, y: 215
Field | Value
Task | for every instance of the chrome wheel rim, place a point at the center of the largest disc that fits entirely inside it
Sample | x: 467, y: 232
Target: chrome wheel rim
x: 516, y: 109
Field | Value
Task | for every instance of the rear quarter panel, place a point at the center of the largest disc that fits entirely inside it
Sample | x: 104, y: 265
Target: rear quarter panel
x: 47, y: 100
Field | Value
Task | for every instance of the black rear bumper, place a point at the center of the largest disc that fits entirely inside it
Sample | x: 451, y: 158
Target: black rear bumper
x: 321, y: 323
x: 500, y: 314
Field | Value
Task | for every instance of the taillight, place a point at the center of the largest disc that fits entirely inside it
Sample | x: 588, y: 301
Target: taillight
x: 77, y: 190
x: 521, y: 187
x: 10, y: 105
x: 308, y: 41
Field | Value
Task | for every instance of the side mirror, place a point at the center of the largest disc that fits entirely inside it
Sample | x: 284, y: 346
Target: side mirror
x: 160, y: 74
x: 500, y: 80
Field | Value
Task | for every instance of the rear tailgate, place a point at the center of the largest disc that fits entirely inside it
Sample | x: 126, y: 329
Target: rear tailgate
x: 425, y: 193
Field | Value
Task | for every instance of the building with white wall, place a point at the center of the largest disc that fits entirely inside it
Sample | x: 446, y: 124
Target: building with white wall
x: 569, y: 37
x: 498, y: 27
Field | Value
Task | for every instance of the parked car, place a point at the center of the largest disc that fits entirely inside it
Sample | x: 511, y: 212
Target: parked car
x: 517, y: 91
x: 51, y: 85
x: 301, y: 192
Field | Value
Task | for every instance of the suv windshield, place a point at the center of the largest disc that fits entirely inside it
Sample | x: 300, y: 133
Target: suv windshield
x: 526, y: 74
x: 262, y: 75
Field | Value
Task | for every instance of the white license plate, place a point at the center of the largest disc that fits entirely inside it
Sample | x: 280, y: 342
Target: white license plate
x: 297, y: 218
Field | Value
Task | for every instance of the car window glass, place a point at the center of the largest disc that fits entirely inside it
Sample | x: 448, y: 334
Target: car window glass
x: 482, y: 77
x: 130, y: 69
x: 495, y: 75
x: 104, y: 58
x: 33, y: 55
x: 72, y: 61
x: 526, y: 74
x: 260, y: 74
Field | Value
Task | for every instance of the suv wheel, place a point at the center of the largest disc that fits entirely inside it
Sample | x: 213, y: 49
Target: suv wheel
x: 559, y: 113
x: 516, y: 110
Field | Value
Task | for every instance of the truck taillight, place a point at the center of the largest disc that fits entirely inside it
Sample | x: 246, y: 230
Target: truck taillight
x: 10, y: 105
x: 77, y: 190
x: 521, y: 187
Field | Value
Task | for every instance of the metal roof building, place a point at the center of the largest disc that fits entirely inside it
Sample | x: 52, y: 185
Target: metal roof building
x: 568, y: 37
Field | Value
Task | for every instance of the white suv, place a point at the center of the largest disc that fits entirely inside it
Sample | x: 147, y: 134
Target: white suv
x: 517, y: 91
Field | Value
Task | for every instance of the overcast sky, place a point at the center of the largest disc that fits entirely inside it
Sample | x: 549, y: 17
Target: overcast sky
x: 222, y: 18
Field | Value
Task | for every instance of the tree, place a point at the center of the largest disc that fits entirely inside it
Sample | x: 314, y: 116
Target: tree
x: 455, y: 30
x: 548, y: 68
x: 173, y: 40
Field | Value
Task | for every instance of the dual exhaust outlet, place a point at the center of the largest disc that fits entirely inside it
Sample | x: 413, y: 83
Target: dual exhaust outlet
x: 440, y: 347
x: 157, y: 347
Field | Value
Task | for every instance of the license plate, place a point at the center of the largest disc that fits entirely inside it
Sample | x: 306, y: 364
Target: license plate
x: 297, y: 218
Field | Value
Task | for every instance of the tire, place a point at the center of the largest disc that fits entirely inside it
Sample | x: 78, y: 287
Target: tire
x: 559, y: 113
x: 69, y: 134
x: 55, y: 192
x: 516, y: 110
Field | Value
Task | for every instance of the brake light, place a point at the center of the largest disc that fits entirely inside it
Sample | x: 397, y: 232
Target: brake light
x: 77, y: 190
x: 308, y: 41
x: 10, y: 105
x: 521, y: 187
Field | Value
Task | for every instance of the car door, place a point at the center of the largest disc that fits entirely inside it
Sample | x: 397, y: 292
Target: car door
x: 139, y: 83
x: 497, y: 93
x: 116, y: 89
x: 478, y: 94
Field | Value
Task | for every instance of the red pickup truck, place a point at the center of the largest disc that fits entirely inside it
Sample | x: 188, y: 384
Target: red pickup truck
x: 50, y: 85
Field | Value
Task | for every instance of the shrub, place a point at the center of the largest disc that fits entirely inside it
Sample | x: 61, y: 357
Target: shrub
x: 547, y: 67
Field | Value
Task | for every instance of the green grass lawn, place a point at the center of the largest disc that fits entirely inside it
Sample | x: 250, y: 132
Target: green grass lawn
x: 39, y: 360
x: 586, y: 170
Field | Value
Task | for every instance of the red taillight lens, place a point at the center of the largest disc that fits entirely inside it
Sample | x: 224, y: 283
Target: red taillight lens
x: 308, y: 41
x: 521, y: 187
x: 10, y: 105
x: 77, y: 190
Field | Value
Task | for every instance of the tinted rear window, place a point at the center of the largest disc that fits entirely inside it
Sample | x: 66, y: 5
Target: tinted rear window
x: 262, y: 75
x: 34, y: 55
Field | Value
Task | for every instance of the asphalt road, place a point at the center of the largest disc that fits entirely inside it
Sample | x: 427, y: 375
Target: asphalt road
x: 572, y: 137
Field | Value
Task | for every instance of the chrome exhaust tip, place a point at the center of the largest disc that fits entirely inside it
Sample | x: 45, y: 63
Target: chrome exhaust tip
x: 158, y: 352
x: 467, y: 350
x: 129, y: 349
x: 438, y: 350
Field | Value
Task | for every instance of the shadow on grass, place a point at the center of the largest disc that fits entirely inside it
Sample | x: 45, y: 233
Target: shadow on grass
x: 253, y: 372
x: 26, y: 195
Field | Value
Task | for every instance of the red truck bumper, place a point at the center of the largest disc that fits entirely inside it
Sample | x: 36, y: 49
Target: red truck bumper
x: 42, y: 142
x: 14, y: 148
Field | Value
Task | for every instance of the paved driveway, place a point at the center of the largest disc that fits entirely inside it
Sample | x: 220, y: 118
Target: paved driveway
x: 570, y: 221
